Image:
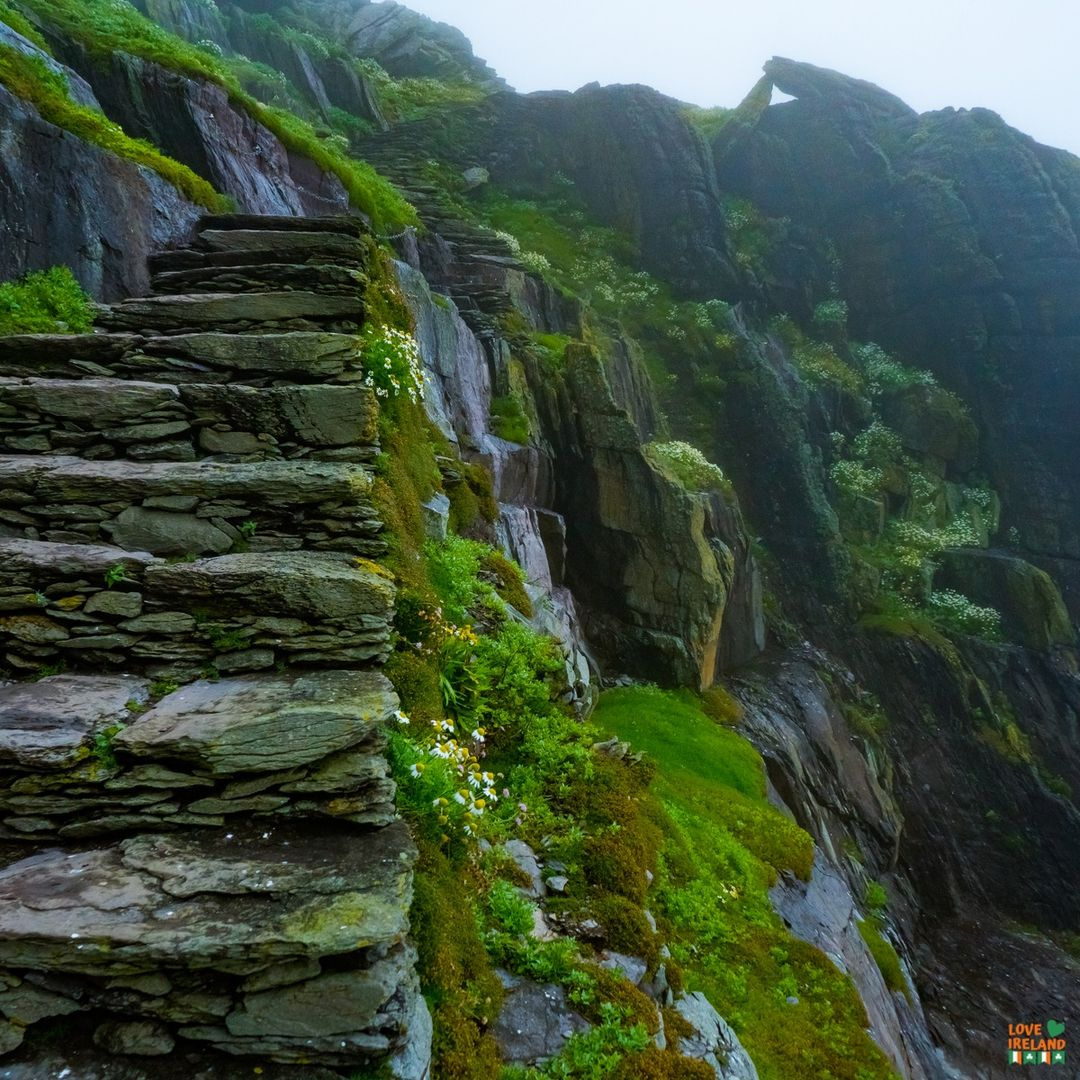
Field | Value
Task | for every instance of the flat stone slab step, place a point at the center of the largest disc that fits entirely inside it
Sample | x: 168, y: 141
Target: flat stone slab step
x: 270, y: 746
x: 289, y: 245
x: 72, y: 480
x: 348, y: 224
x: 237, y: 903
x: 188, y: 508
x: 104, y: 418
x: 222, y: 937
x: 266, y: 275
x: 195, y: 259
x: 234, y: 312
x: 51, y: 724
x: 258, y: 359
x: 299, y: 585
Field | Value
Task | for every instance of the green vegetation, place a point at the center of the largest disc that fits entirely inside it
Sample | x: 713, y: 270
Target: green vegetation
x: 688, y: 466
x: 30, y: 78
x: 105, y: 27
x: 723, y: 844
x: 707, y: 122
x: 115, y: 575
x: 45, y: 302
x: 509, y: 420
x: 22, y: 25
x: 406, y: 100
x: 885, y: 957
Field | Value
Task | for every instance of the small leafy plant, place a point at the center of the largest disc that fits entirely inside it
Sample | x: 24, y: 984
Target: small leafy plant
x: 45, y: 302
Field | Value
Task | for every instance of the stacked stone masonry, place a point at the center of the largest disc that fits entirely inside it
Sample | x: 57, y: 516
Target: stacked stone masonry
x: 202, y: 852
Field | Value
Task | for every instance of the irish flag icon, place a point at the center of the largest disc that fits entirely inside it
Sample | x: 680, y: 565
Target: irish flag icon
x: 1015, y: 1057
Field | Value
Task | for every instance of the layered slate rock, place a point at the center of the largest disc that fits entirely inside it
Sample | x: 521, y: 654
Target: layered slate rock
x: 80, y: 756
x: 276, y: 942
x: 203, y: 854
x: 108, y: 418
x: 110, y: 608
x: 189, y: 508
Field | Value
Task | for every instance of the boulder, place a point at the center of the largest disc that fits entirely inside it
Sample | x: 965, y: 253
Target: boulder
x: 534, y: 1022
x: 143, y: 1037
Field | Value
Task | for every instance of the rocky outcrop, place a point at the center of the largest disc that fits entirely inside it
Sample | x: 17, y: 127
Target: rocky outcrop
x: 194, y: 121
x: 101, y: 215
x: 636, y: 164
x: 404, y: 42
x: 216, y: 865
x: 958, y: 248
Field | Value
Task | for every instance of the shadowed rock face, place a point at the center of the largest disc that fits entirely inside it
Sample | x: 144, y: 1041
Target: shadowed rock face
x: 958, y: 239
x: 638, y: 166
x: 65, y: 201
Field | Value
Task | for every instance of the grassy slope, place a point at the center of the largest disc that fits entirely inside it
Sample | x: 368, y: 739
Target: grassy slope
x: 723, y: 847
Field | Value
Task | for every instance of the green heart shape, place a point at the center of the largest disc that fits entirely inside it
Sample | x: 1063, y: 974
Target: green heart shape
x: 1054, y: 1028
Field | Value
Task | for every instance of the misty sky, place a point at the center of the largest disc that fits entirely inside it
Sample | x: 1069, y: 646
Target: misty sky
x: 1017, y: 57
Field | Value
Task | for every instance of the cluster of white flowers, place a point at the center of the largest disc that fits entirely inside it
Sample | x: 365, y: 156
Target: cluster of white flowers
x: 477, y: 792
x: 884, y: 373
x: 535, y: 263
x: 960, y: 612
x: 392, y: 363
x: 688, y: 465
x: 510, y: 240
x: 855, y: 479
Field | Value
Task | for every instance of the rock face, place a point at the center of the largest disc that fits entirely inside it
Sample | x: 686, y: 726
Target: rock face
x: 637, y: 165
x: 250, y: 887
x: 958, y: 246
x: 102, y: 215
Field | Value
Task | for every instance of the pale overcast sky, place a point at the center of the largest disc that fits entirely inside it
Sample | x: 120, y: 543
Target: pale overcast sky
x: 1017, y: 57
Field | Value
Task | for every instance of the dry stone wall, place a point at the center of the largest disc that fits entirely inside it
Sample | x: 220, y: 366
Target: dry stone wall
x: 203, y: 861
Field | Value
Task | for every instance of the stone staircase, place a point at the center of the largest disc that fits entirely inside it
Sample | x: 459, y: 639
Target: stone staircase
x: 203, y: 860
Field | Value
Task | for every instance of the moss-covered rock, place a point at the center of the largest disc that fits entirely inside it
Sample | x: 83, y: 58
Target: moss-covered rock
x: 1031, y: 607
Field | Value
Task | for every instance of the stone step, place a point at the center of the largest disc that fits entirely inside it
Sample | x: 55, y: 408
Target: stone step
x: 235, y: 312
x: 255, y: 359
x: 277, y: 746
x: 222, y: 937
x: 92, y: 606
x: 264, y: 275
x: 289, y: 246
x: 105, y: 418
x: 194, y: 259
x: 187, y: 508
x: 348, y: 224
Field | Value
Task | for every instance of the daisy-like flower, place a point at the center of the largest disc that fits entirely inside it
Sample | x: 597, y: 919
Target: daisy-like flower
x: 400, y: 717
x: 461, y: 797
x: 417, y: 770
x: 478, y: 734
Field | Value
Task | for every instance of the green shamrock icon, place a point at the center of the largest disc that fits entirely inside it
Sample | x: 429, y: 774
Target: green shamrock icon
x: 1054, y: 1028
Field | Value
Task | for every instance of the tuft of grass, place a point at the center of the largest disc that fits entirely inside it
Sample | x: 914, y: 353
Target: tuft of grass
x: 45, y: 302
x: 29, y: 78
x: 885, y: 957
x: 508, y: 419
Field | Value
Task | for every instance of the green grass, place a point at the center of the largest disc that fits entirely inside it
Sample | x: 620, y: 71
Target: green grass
x: 22, y: 25
x: 105, y: 27
x: 45, y: 302
x: 508, y: 419
x: 885, y: 957
x: 723, y: 846
x: 28, y: 77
